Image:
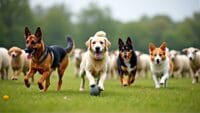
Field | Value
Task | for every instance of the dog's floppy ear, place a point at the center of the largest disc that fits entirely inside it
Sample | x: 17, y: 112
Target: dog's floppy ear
x: 163, y: 46
x: 151, y: 47
x: 185, y: 50
x: 27, y: 32
x: 107, y: 42
x: 38, y: 34
x: 196, y: 50
x: 9, y: 52
x: 120, y: 42
x: 128, y: 41
x: 88, y: 42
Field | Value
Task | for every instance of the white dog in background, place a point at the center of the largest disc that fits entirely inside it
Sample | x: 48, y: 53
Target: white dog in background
x: 95, y: 61
x: 4, y: 63
x: 77, y: 57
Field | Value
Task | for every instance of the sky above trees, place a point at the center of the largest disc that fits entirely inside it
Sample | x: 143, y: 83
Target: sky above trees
x: 132, y: 10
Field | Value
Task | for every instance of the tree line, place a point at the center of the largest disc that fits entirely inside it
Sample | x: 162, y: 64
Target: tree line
x: 57, y: 22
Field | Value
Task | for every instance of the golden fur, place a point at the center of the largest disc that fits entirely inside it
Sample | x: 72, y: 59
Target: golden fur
x: 19, y: 62
x: 95, y: 61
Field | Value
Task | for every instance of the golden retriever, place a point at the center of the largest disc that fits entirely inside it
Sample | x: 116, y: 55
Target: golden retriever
x: 19, y: 62
x: 95, y: 61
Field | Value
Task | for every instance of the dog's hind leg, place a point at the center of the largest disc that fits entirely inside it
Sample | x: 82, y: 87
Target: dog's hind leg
x: 47, y: 83
x: 61, y: 69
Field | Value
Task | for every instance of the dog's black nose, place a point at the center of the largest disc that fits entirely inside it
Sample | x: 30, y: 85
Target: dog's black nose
x: 28, y: 50
x: 97, y: 49
x: 13, y: 55
x: 190, y: 58
x: 157, y: 61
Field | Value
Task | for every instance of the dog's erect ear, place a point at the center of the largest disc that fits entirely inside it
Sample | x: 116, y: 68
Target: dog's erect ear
x: 38, y: 33
x: 107, y: 42
x: 128, y: 41
x: 151, y: 47
x: 88, y: 42
x: 27, y: 32
x: 163, y: 46
x: 120, y: 42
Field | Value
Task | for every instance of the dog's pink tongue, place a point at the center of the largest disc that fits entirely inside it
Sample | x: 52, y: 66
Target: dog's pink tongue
x: 29, y: 56
x: 97, y: 55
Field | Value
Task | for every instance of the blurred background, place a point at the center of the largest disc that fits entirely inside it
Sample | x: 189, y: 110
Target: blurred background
x: 175, y: 21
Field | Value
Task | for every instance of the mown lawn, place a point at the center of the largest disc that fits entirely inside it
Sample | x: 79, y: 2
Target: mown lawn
x: 179, y: 97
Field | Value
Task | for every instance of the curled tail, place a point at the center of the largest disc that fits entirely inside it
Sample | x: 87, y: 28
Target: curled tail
x: 70, y: 45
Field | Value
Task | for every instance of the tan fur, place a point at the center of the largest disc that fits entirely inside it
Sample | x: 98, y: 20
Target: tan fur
x: 19, y: 62
x: 43, y: 67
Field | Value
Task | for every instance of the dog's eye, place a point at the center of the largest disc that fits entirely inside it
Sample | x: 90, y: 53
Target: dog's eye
x: 101, y: 42
x: 27, y: 41
x: 93, y: 42
x: 160, y: 54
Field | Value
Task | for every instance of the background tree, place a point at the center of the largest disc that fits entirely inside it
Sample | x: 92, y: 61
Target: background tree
x: 93, y: 19
x: 56, y: 25
x: 14, y: 15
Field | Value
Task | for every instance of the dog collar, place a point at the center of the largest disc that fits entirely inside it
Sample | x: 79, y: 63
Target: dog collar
x: 44, y: 55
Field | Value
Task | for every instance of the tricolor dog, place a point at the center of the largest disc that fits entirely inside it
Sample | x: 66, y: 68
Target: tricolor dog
x: 127, y: 62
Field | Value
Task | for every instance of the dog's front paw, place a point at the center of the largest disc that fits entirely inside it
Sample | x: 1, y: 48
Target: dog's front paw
x: 81, y: 89
x: 157, y: 86
x: 40, y: 86
x: 27, y: 83
x: 14, y: 78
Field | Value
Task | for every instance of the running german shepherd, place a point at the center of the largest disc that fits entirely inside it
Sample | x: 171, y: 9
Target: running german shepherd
x: 45, y: 59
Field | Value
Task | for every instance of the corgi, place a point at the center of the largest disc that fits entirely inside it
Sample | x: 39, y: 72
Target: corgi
x: 160, y: 64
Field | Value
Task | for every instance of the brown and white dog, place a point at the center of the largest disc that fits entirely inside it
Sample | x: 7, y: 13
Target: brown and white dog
x: 160, y: 64
x: 19, y: 62
x: 95, y: 61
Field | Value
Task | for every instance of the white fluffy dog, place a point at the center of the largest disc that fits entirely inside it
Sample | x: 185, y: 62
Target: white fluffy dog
x: 4, y: 63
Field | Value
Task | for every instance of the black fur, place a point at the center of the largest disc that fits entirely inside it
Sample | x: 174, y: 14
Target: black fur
x: 120, y: 61
x: 59, y: 52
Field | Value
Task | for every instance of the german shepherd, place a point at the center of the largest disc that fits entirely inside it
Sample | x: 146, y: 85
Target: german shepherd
x: 45, y: 59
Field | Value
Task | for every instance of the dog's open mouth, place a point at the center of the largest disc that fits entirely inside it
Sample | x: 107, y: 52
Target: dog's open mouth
x: 98, y: 55
x: 30, y: 52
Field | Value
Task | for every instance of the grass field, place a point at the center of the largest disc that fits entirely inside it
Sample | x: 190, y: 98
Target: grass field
x: 179, y: 97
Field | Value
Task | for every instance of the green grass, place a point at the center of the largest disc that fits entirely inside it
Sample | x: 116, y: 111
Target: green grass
x: 179, y: 97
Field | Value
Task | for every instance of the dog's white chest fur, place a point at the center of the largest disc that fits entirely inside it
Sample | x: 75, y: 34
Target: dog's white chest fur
x: 129, y: 69
x: 160, y: 68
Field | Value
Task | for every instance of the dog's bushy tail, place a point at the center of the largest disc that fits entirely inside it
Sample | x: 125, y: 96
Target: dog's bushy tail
x: 70, y: 44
